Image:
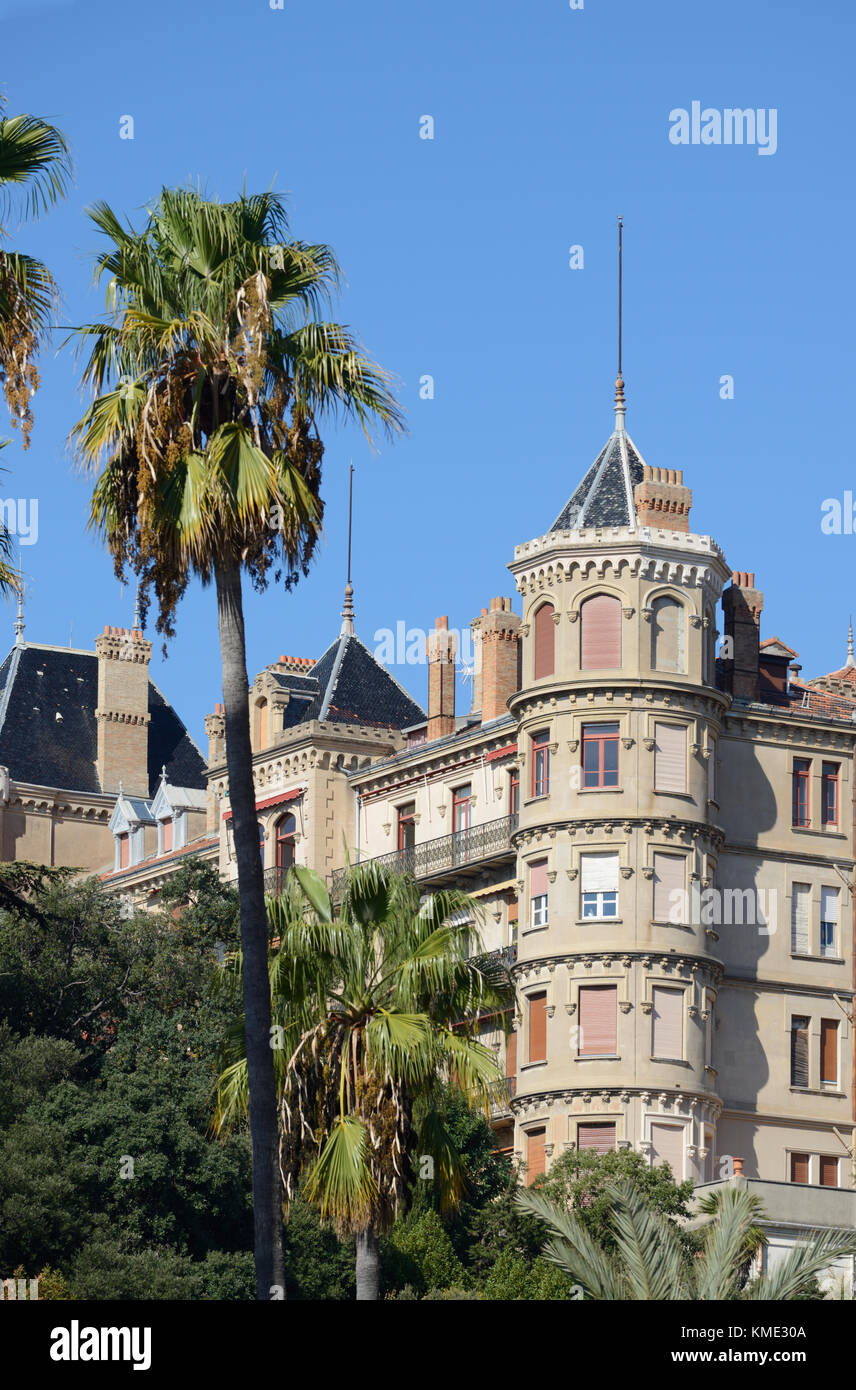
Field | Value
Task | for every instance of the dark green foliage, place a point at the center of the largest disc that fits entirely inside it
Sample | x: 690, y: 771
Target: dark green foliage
x: 578, y: 1179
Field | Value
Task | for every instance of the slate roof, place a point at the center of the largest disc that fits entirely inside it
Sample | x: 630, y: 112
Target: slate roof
x: 605, y: 495
x: 352, y: 687
x: 37, y: 684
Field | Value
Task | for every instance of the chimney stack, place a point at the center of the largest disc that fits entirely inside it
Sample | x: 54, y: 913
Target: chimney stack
x: 499, y: 633
x: 122, y: 715
x: 662, y: 500
x: 741, y: 605
x: 441, y: 680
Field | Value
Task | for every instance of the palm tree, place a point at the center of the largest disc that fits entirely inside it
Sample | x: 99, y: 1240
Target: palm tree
x: 211, y: 373
x: 377, y: 1007
x: 33, y: 157
x: 651, y: 1262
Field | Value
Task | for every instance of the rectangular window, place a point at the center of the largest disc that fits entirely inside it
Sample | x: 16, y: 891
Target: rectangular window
x: 598, y: 1008
x: 600, y: 755
x: 829, y: 921
x: 540, y: 764
x: 799, y: 1051
x: 511, y: 1062
x: 407, y: 826
x: 667, y: 1146
x: 800, y: 1167
x: 711, y: 773
x: 801, y: 774
x: 800, y: 919
x: 167, y: 836
x: 668, y: 1023
x: 670, y: 885
x: 599, y: 885
x: 461, y: 808
x: 536, y: 1154
x: 828, y: 1171
x: 537, y: 1006
x: 600, y: 1138
x: 670, y: 758
x: 829, y: 1051
x: 514, y: 792
x: 124, y: 851
x: 538, y: 902
x: 829, y: 794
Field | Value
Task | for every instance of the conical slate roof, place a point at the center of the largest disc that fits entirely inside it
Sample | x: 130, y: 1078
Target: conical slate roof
x: 605, y: 495
x: 348, y: 685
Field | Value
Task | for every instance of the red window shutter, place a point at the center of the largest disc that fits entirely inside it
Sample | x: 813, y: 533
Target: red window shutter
x: 667, y: 1143
x: 536, y: 1157
x: 670, y: 758
x: 828, y: 1171
x: 600, y: 635
x: 799, y: 1167
x: 538, y: 878
x: 124, y: 851
x: 668, y: 1023
x: 829, y: 1049
x: 167, y: 836
x: 598, y: 1007
x: 601, y: 1138
x: 670, y: 877
x: 545, y: 644
x: 511, y: 1056
x: 537, y: 1027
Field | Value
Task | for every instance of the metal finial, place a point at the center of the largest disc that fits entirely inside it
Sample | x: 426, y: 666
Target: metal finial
x: 347, y: 628
x: 619, y: 380
x: 19, y: 621
x: 163, y: 773
x: 851, y: 661
x: 137, y: 610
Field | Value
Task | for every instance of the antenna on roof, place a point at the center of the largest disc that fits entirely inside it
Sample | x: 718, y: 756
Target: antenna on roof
x: 347, y: 629
x: 619, y: 380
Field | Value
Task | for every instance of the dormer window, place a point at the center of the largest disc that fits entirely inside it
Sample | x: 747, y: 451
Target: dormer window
x: 167, y: 836
x: 124, y: 850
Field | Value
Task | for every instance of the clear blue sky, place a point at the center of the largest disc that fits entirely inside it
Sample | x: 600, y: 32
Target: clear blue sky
x: 548, y: 122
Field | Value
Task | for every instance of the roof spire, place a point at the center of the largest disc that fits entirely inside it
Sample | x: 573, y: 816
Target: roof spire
x: 19, y: 621
x: 347, y: 628
x: 137, y: 608
x: 619, y: 380
x: 851, y: 661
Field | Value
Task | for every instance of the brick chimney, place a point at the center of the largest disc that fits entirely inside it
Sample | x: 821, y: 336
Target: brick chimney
x: 441, y: 649
x: 122, y: 715
x: 662, y: 500
x: 741, y: 605
x: 499, y: 634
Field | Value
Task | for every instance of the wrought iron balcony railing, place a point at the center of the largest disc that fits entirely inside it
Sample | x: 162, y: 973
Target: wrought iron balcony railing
x: 442, y: 857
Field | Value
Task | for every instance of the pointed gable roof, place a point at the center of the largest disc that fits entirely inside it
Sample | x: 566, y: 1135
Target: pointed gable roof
x: 604, y: 497
x: 354, y: 688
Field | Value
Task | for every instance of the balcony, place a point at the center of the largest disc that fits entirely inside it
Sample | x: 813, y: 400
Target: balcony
x: 449, y: 857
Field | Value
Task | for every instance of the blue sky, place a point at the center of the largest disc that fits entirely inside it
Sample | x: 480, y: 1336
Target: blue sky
x: 548, y: 123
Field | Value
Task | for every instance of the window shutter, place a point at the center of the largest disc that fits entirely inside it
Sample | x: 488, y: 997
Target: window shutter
x: 799, y: 1051
x: 668, y: 1015
x: 545, y: 633
x: 667, y: 635
x: 670, y: 758
x: 828, y: 1171
x: 667, y: 1143
x: 799, y: 1167
x: 537, y: 1027
x: 599, y: 873
x: 600, y: 1138
x: 829, y: 1049
x: 536, y: 1157
x: 829, y: 905
x: 124, y: 851
x: 598, y: 1005
x: 711, y: 773
x: 670, y: 876
x: 538, y: 879
x: 511, y: 1056
x: 800, y: 918
x: 600, y: 637
x: 167, y: 836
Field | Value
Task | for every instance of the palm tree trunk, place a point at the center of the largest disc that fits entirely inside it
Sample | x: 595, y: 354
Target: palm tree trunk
x: 368, y: 1266
x: 267, y: 1199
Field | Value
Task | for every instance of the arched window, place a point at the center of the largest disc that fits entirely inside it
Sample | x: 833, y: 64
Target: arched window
x: 600, y: 633
x: 545, y: 641
x: 667, y: 635
x: 261, y: 730
x: 285, y: 828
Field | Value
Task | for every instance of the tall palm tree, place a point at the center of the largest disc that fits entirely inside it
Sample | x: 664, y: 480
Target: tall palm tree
x: 34, y: 159
x: 211, y: 375
x: 650, y: 1261
x: 377, y: 1007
